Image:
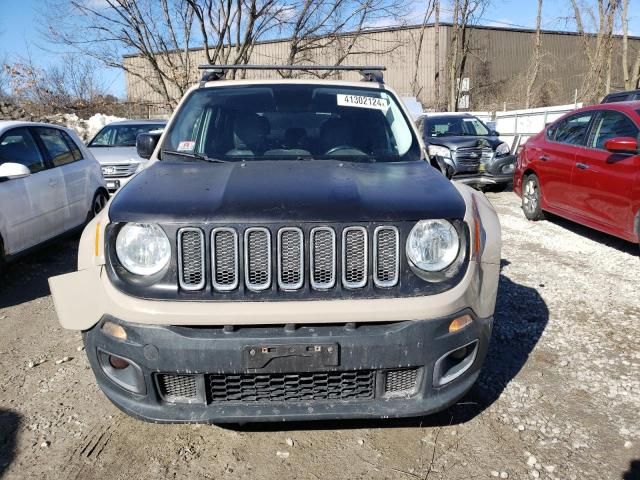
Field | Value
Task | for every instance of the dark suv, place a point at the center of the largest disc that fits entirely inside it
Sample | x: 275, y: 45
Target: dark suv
x: 289, y: 253
x: 466, y: 149
x: 622, y: 96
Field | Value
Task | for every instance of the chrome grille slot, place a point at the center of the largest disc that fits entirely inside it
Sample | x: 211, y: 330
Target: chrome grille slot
x: 354, y: 257
x: 290, y: 258
x: 191, y: 264
x: 224, y: 259
x: 257, y: 258
x: 386, y: 261
x: 323, y: 258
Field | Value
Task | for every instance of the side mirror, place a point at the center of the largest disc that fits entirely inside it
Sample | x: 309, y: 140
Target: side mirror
x: 10, y: 171
x: 495, y: 133
x: 622, y: 145
x: 146, y: 143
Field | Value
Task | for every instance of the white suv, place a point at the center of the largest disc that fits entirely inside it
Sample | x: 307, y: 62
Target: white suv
x: 50, y: 184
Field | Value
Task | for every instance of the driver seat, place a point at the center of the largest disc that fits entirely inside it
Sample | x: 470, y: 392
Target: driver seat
x: 335, y: 132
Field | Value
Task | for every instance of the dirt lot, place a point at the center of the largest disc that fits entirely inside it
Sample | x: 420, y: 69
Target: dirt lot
x: 559, y: 396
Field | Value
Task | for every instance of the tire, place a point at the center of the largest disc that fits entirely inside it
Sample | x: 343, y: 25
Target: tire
x: 99, y: 201
x: 531, y: 198
x: 2, y: 260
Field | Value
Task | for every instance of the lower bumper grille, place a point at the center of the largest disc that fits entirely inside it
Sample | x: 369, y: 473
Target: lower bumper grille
x: 291, y: 387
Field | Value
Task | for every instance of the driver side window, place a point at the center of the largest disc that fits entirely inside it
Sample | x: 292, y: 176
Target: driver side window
x: 610, y: 124
x: 573, y: 130
x: 18, y: 146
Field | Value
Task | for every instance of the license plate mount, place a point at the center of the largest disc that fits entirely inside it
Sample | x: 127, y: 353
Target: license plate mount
x: 291, y: 358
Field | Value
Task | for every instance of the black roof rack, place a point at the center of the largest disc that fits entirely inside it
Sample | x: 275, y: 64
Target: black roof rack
x: 217, y: 72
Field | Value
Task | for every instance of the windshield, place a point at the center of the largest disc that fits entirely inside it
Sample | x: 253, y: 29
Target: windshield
x: 122, y: 135
x: 284, y: 122
x: 454, y: 126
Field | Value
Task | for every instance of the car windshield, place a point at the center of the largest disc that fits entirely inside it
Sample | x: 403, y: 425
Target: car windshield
x: 449, y: 126
x: 291, y: 121
x: 122, y: 135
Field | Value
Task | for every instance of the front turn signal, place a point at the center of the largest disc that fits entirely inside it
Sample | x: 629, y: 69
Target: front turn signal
x: 459, y: 323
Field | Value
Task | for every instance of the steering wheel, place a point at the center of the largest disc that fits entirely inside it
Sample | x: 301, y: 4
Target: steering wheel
x: 334, y: 150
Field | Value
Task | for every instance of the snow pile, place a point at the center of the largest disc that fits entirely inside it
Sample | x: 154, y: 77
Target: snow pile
x: 85, y: 129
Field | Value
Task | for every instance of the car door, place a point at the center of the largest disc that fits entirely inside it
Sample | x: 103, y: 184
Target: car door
x: 555, y: 159
x: 603, y: 181
x: 32, y: 206
x: 66, y: 157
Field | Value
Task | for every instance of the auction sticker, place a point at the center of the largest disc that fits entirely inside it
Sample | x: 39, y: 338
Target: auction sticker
x: 362, y: 101
x: 186, y: 146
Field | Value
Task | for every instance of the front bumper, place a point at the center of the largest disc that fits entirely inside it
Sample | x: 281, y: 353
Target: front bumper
x: 116, y: 183
x: 204, y: 352
x: 499, y: 171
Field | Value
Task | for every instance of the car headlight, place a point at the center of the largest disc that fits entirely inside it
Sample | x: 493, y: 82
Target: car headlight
x: 142, y: 248
x: 439, y: 151
x: 503, y: 149
x: 433, y: 245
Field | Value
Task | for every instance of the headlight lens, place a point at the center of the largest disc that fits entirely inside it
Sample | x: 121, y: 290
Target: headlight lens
x: 438, y: 151
x: 143, y: 249
x: 433, y: 245
x: 503, y: 149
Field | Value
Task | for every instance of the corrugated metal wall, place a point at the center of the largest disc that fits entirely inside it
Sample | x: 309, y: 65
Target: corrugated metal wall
x: 497, y: 65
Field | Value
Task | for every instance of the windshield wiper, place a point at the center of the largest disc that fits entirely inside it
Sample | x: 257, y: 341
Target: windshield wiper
x: 194, y: 156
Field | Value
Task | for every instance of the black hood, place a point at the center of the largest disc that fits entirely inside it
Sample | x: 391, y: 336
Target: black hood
x: 455, y: 142
x: 286, y: 191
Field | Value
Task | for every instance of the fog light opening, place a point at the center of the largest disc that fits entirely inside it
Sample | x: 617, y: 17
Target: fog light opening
x: 454, y: 363
x: 114, y: 330
x: 460, y: 323
x: 117, y: 362
x: 122, y: 371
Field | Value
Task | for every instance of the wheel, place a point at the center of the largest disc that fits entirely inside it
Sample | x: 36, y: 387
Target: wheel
x: 100, y: 199
x: 531, y: 198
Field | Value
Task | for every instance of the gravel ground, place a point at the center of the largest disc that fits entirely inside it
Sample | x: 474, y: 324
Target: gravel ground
x: 559, y: 396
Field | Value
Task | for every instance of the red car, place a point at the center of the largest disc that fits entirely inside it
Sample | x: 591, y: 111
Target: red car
x: 585, y: 167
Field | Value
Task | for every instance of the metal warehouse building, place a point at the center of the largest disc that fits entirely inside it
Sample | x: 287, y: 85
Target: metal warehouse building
x: 495, y: 72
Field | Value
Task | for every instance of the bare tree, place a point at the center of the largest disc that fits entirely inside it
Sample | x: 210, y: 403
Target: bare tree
x: 159, y: 32
x: 598, y: 46
x: 69, y: 85
x: 416, y: 88
x: 535, y: 64
x: 466, y: 13
x: 631, y: 75
x: 229, y: 29
x: 436, y: 58
x: 334, y: 29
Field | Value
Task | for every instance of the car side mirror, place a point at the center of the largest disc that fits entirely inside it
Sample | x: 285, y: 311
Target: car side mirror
x: 146, y: 144
x: 622, y: 145
x: 495, y: 133
x: 11, y: 171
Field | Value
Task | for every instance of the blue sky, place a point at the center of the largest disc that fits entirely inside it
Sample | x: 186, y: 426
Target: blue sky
x: 20, y: 30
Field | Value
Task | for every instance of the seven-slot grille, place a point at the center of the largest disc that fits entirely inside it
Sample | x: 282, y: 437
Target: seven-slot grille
x: 255, y: 253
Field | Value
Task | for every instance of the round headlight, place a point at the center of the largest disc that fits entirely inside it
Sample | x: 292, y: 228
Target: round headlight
x: 143, y: 249
x: 433, y: 245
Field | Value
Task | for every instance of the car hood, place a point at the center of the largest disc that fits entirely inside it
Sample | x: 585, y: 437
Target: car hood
x: 286, y: 191
x: 455, y: 142
x: 111, y: 155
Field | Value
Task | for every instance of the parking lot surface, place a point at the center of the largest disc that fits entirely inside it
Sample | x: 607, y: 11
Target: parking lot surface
x: 559, y: 396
